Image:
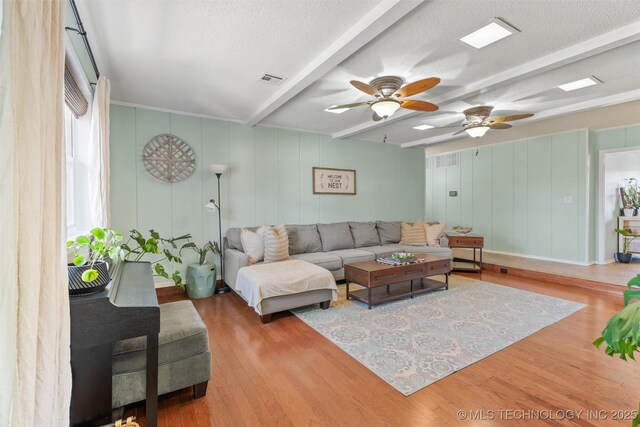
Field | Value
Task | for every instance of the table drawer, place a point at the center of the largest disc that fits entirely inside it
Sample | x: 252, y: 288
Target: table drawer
x: 440, y: 267
x: 466, y: 241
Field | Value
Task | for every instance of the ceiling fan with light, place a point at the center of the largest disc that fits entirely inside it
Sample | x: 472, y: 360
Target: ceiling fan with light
x: 478, y: 121
x: 389, y: 94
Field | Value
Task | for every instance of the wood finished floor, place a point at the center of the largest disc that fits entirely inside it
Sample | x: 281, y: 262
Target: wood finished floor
x: 284, y: 373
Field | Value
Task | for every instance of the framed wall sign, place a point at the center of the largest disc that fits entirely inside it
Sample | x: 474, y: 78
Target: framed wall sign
x: 334, y: 181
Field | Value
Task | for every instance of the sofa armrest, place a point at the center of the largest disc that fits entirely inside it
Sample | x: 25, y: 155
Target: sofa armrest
x: 234, y: 260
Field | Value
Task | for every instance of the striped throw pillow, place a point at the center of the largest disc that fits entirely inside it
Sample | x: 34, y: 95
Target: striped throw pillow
x: 276, y: 244
x: 414, y: 234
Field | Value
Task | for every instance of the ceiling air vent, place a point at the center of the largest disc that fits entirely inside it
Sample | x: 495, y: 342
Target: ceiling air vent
x: 271, y: 79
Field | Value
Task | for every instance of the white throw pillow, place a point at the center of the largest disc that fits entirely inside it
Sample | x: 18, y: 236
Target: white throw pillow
x: 253, y: 243
x: 434, y: 232
x: 414, y: 235
x: 276, y: 244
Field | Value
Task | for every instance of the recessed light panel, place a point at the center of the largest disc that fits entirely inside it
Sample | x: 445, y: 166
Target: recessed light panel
x: 423, y: 127
x: 336, y: 111
x: 496, y: 30
x: 579, y: 84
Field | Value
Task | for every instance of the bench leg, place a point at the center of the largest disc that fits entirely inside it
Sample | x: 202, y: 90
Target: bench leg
x: 325, y: 304
x: 265, y: 318
x: 200, y: 390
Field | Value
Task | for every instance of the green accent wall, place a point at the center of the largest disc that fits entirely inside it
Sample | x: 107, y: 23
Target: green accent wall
x: 269, y: 181
x: 526, y: 197
x: 534, y: 197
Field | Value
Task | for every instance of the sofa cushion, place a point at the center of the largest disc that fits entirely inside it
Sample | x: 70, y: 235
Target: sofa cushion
x: 335, y: 236
x: 234, y: 239
x: 389, y: 231
x: 383, y: 251
x: 182, y: 335
x: 276, y: 244
x: 364, y: 234
x: 349, y: 256
x: 321, y: 259
x: 303, y: 239
x: 435, y: 250
x: 414, y: 234
x: 253, y: 244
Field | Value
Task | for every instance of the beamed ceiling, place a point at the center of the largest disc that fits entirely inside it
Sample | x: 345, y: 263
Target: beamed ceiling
x: 207, y: 57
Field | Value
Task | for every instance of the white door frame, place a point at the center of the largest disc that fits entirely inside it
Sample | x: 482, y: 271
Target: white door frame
x: 600, y: 231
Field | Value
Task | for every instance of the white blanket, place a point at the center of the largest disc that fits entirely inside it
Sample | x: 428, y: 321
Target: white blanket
x: 258, y: 282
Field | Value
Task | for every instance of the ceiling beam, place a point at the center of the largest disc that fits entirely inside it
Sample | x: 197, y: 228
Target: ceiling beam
x: 381, y: 17
x: 596, y: 45
x: 604, y: 101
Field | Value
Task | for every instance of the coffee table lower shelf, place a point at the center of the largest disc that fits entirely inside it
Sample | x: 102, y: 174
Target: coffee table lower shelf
x: 394, y: 291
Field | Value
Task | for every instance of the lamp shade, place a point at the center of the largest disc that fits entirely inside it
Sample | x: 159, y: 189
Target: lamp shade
x: 385, y: 108
x: 211, y: 206
x: 477, y: 131
x: 218, y: 169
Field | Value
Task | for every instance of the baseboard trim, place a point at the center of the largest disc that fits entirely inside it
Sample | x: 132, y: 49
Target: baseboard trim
x: 540, y: 258
x: 169, y: 290
x: 609, y: 288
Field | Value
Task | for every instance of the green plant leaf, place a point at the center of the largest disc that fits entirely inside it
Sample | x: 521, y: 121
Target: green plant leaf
x: 177, y: 279
x: 154, y: 234
x: 70, y: 243
x: 97, y: 245
x: 160, y: 271
x: 89, y: 275
x: 98, y: 233
x: 78, y: 260
x: 82, y: 240
x: 630, y: 295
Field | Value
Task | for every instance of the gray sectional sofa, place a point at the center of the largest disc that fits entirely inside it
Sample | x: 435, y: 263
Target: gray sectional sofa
x: 330, y: 246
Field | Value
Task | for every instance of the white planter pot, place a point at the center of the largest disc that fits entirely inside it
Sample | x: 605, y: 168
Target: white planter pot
x: 628, y: 212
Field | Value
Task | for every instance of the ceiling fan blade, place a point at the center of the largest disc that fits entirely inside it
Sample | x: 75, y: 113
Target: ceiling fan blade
x: 418, y: 105
x: 355, y: 104
x: 366, y: 88
x: 511, y: 118
x: 499, y: 125
x: 416, y: 87
x: 376, y: 117
x: 459, y: 132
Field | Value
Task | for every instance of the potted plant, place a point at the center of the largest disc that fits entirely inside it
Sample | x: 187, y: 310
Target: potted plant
x: 622, y: 332
x: 632, y: 197
x: 89, y: 273
x: 201, y: 277
x: 157, y: 249
x: 627, y: 238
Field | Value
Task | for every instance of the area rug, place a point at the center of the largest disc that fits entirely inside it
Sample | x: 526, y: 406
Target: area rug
x: 412, y: 343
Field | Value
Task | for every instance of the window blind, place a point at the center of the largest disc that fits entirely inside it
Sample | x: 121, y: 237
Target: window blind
x: 73, y: 96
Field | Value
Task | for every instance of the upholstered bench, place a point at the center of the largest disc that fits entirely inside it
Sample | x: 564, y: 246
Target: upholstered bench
x: 184, y: 357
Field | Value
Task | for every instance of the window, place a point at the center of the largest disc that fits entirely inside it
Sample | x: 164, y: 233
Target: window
x: 76, y: 134
x: 71, y: 168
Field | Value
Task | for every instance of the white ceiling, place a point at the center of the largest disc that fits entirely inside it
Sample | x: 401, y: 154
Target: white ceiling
x: 206, y: 57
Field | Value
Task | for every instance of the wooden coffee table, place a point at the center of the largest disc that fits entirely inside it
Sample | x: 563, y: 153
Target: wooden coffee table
x: 399, y: 280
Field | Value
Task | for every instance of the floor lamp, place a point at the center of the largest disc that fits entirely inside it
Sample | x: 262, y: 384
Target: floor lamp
x: 218, y: 170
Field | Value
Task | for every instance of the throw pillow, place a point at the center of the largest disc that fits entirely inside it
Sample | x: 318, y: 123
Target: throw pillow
x: 364, y: 234
x: 335, y: 236
x: 303, y: 239
x: 389, y: 231
x: 414, y: 234
x: 253, y: 243
x: 433, y: 233
x: 276, y: 244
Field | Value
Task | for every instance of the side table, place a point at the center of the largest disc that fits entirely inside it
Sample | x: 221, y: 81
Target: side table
x: 466, y: 241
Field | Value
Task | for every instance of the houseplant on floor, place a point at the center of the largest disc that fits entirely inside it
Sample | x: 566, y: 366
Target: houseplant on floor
x: 88, y: 273
x: 622, y: 333
x: 156, y: 249
x: 201, y: 277
x: 627, y: 237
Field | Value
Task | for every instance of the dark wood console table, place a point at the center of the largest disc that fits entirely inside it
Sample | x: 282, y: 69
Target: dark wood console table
x: 128, y: 308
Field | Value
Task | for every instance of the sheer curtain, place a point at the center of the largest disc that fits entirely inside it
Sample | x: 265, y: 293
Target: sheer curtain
x: 34, y: 251
x: 99, y: 155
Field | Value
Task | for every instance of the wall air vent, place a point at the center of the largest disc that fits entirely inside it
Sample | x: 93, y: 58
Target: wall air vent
x: 271, y: 79
x: 443, y: 160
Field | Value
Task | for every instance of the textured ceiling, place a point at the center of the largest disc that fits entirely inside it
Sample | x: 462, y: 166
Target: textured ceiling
x: 206, y: 58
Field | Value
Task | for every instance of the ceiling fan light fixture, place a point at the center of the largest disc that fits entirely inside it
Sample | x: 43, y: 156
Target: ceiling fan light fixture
x: 385, y: 108
x: 490, y: 33
x: 477, y: 131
